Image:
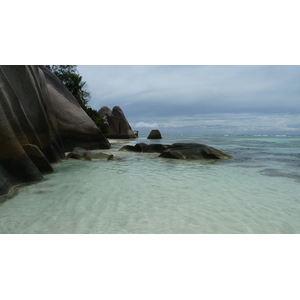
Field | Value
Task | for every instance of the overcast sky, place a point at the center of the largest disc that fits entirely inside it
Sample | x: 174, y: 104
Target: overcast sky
x: 145, y: 40
x: 200, y: 99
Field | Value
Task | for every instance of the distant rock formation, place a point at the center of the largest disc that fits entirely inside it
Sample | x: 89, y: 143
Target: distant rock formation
x: 39, y: 121
x: 154, y: 135
x: 179, y: 150
x: 118, y: 125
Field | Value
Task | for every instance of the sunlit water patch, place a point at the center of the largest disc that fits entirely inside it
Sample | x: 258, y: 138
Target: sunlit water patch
x: 257, y: 191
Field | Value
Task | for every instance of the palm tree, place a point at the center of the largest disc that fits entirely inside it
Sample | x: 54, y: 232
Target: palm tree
x: 78, y: 88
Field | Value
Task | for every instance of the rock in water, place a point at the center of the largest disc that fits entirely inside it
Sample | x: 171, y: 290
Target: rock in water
x: 118, y: 125
x: 154, y: 135
x: 193, y: 151
x: 80, y: 153
x: 179, y: 150
x: 145, y: 148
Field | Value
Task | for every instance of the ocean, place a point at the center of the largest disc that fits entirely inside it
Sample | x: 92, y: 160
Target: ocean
x: 257, y: 191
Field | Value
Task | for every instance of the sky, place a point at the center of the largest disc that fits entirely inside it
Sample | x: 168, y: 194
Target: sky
x: 200, y: 99
x: 181, y: 67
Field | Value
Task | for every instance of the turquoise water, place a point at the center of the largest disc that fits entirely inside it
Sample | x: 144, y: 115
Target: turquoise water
x: 258, y: 191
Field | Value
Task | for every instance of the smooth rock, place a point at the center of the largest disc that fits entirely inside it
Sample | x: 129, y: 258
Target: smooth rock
x: 145, y: 148
x: 75, y: 127
x: 39, y: 121
x: 80, y: 153
x: 29, y: 137
x: 118, y: 125
x: 38, y: 158
x: 154, y: 135
x: 193, y: 151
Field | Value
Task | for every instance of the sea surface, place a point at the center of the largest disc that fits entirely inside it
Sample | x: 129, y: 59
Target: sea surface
x: 257, y: 191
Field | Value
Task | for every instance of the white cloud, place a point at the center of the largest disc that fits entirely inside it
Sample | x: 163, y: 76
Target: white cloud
x: 148, y: 125
x: 238, y: 99
x: 230, y: 124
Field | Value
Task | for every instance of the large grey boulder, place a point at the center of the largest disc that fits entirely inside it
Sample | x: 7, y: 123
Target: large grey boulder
x: 38, y: 158
x: 29, y: 136
x: 118, y: 125
x: 39, y: 121
x: 75, y: 127
x: 154, y: 135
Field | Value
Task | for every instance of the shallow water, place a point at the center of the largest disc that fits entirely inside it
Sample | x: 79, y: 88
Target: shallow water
x: 258, y: 191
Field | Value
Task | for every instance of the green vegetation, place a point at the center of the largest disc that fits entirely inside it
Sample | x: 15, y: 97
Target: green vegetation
x: 69, y: 76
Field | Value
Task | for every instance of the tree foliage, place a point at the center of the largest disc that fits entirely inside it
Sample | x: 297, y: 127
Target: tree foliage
x: 70, y: 77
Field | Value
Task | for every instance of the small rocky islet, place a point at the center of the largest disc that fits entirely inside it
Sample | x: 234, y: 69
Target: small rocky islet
x: 154, y: 135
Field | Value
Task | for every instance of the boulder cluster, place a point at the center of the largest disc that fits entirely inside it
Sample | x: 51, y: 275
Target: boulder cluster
x: 179, y: 150
x: 39, y: 121
x: 118, y: 125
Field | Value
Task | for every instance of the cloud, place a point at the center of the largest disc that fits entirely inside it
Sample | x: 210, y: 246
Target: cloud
x: 240, y: 97
x: 147, y: 125
x: 201, y: 88
x: 230, y: 123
